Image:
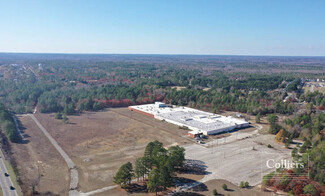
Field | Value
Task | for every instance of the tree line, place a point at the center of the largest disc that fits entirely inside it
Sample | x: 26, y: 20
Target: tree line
x: 8, y: 125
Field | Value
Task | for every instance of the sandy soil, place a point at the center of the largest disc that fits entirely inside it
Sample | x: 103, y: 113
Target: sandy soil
x: 203, y: 189
x: 99, y: 142
x: 207, y: 188
x: 37, y: 159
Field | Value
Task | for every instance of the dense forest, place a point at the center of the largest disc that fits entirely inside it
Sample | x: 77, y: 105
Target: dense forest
x: 71, y: 86
x: 74, y: 83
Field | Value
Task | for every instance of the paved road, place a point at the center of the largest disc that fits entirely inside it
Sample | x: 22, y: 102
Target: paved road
x: 74, y: 178
x: 5, y: 181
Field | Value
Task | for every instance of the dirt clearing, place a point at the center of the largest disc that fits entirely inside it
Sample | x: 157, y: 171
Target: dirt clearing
x: 207, y: 189
x: 99, y: 142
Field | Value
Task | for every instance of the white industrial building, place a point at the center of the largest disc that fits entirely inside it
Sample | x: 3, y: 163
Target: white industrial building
x: 199, y: 122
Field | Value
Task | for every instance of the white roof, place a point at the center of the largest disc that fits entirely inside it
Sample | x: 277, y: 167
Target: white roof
x: 189, y: 117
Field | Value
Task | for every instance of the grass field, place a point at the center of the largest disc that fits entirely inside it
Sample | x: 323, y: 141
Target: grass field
x: 99, y: 142
x: 38, y: 162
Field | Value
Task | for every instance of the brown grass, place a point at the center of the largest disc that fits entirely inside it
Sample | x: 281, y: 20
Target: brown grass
x: 178, y: 88
x: 99, y: 142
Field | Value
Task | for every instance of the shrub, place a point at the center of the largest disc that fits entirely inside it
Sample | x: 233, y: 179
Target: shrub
x: 242, y: 184
x: 267, y: 178
x: 225, y: 187
x: 214, y: 192
x: 310, y: 189
x: 58, y: 115
x: 246, y: 184
x: 65, y: 119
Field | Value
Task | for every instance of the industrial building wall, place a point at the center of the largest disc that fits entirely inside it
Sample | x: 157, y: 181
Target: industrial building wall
x: 243, y: 125
x: 221, y: 130
x: 141, y: 112
x: 196, y: 129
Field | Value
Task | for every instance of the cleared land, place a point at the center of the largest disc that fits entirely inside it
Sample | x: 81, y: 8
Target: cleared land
x: 100, y: 142
x: 202, y: 189
x: 207, y: 189
x: 314, y: 86
x: 38, y: 161
x: 178, y: 88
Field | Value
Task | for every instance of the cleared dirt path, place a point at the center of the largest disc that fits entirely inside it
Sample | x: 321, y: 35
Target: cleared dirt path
x: 73, y: 171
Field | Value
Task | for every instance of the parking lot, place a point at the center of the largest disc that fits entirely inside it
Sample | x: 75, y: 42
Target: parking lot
x: 238, y: 160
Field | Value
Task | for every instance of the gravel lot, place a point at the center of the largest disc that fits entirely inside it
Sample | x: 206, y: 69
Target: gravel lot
x: 238, y: 161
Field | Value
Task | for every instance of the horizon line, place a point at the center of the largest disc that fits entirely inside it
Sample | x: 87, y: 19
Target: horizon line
x: 162, y: 54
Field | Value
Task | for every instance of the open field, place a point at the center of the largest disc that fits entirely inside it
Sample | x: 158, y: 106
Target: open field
x: 100, y: 142
x: 38, y: 162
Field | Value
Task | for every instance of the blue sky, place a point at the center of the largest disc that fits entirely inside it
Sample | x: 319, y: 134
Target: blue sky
x: 243, y: 27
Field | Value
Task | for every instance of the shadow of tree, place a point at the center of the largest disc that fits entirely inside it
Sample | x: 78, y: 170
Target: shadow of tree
x: 200, y: 188
x: 196, y: 167
x: 24, y: 135
x: 136, y: 188
x: 187, y: 194
x: 181, y: 181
